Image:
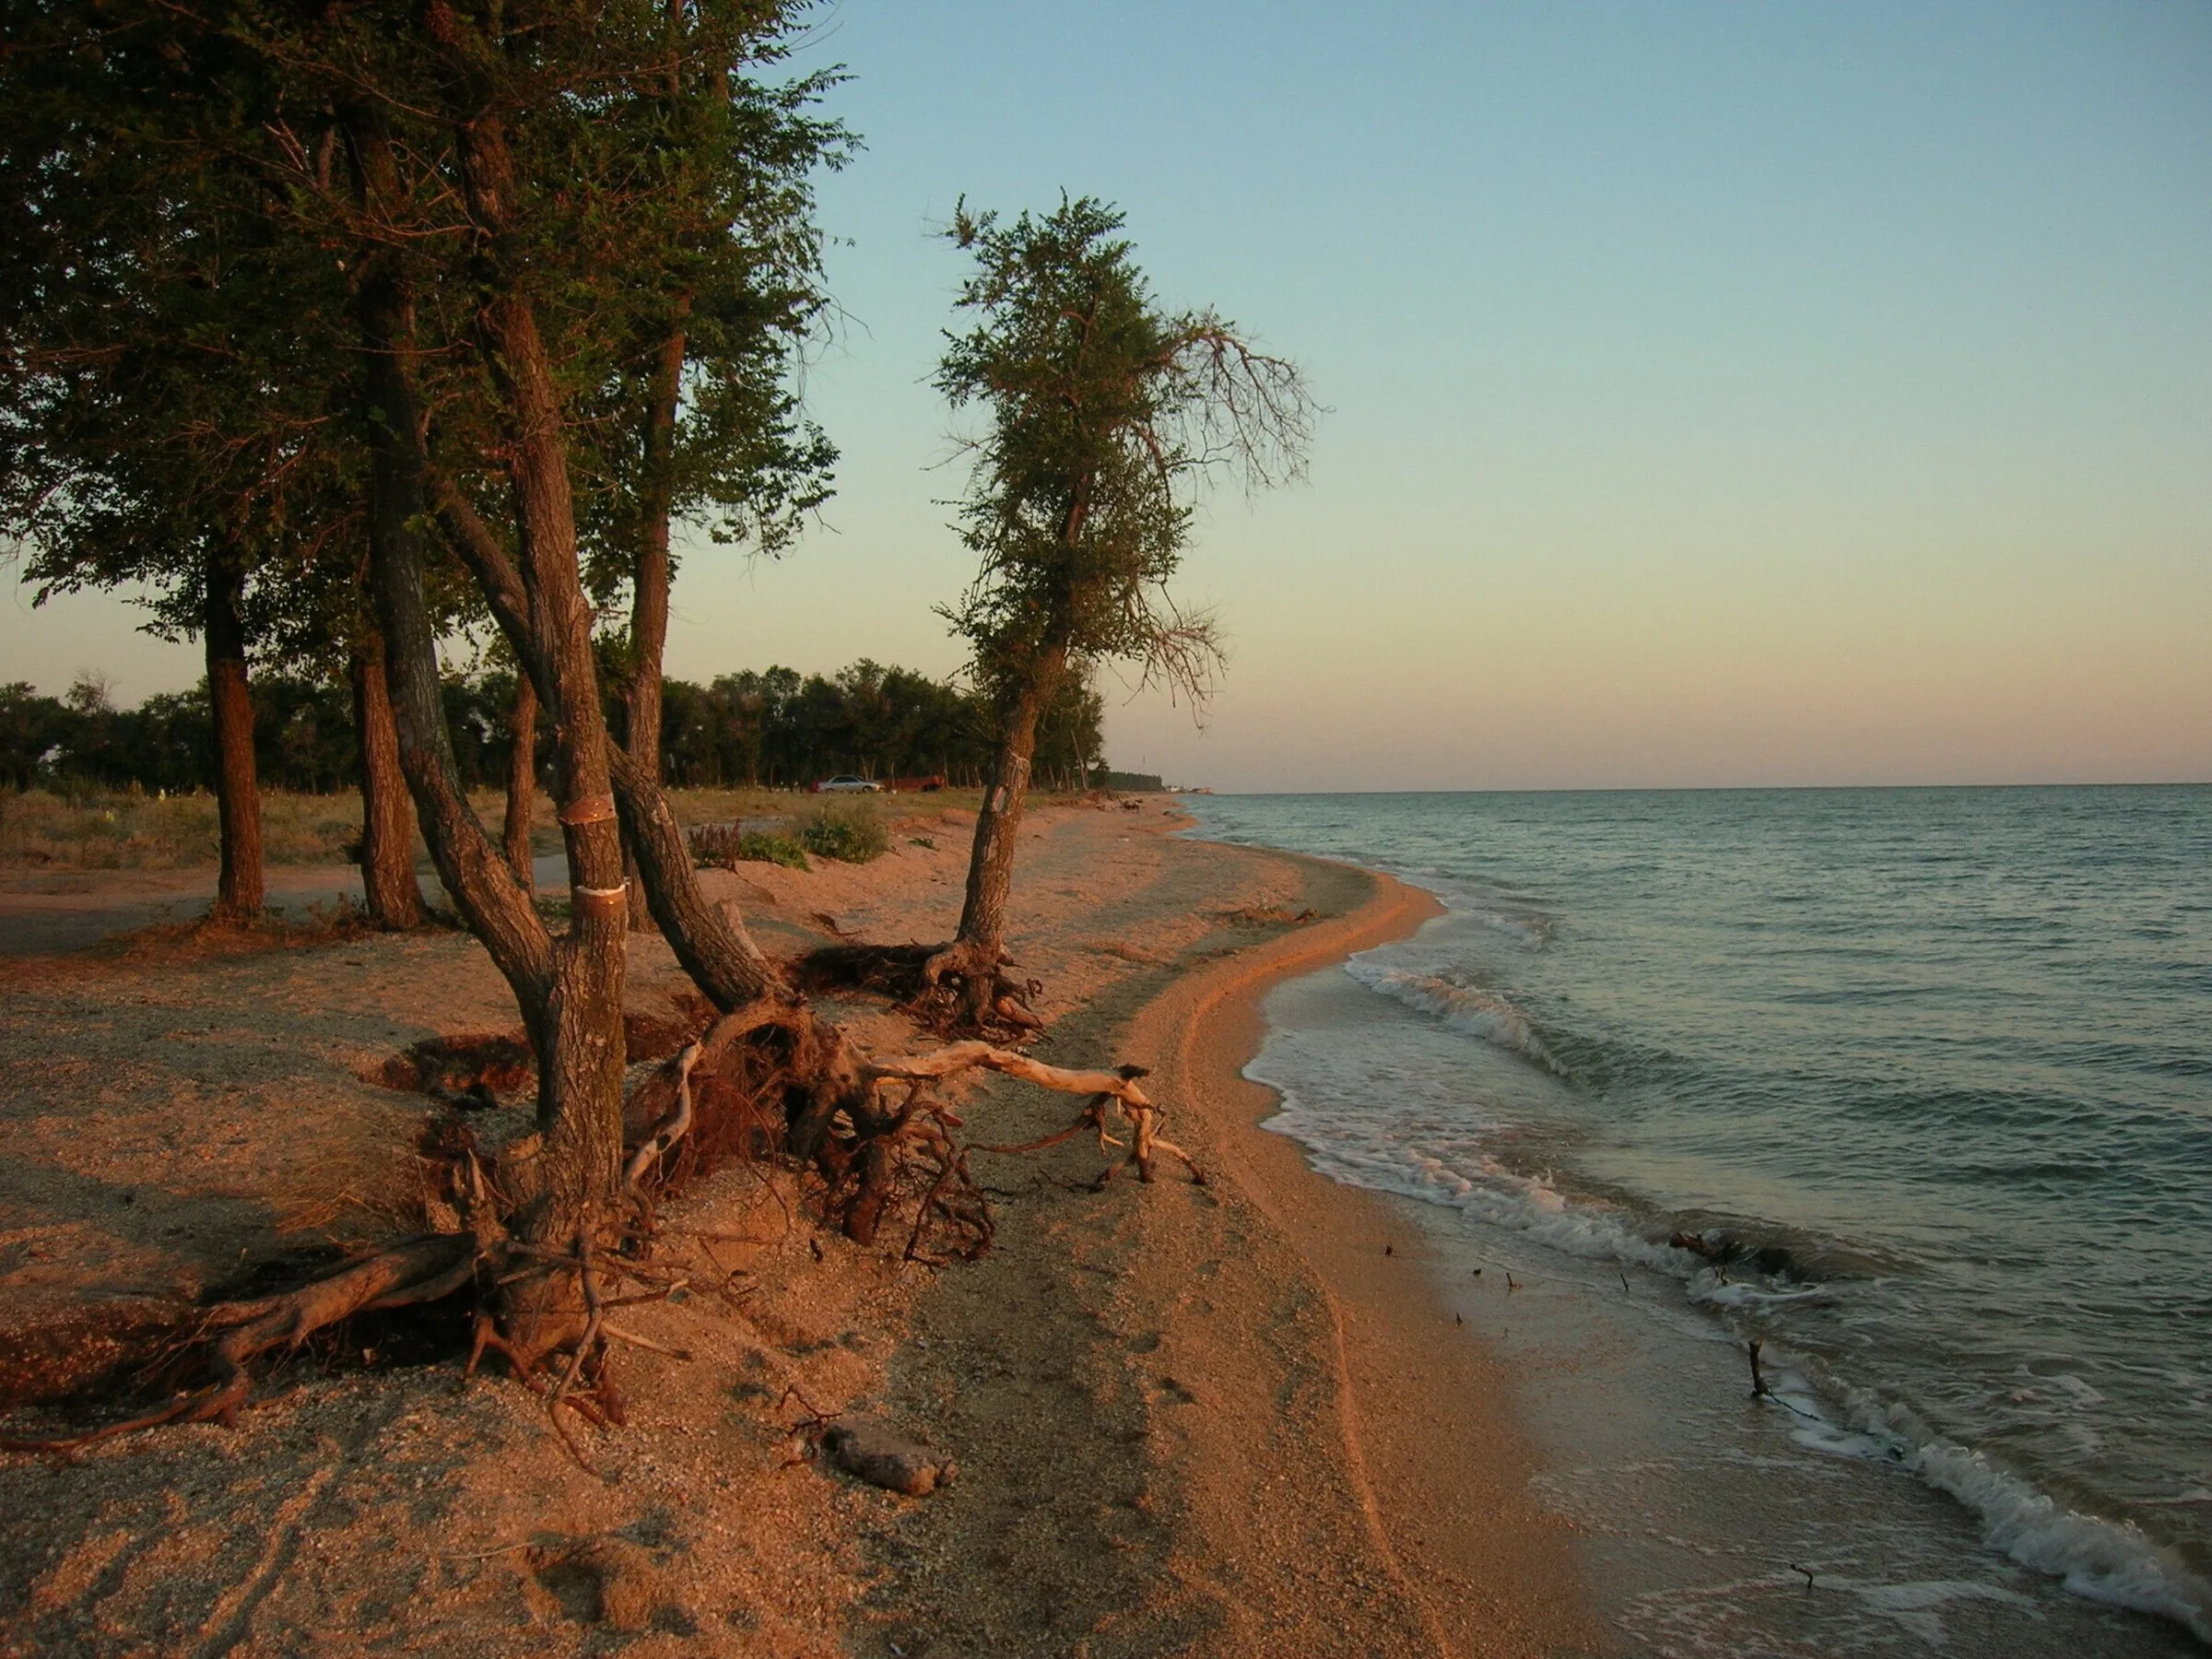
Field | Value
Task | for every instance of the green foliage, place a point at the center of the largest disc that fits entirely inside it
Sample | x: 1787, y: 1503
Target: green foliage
x: 720, y: 846
x: 1104, y: 415
x: 760, y: 847
x: 173, y: 354
x: 183, y: 224
x: 782, y: 728
x: 778, y: 728
x: 850, y: 831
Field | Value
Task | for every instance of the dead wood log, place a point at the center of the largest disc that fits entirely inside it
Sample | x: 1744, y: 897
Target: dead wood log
x: 670, y: 1129
x: 1119, y: 1087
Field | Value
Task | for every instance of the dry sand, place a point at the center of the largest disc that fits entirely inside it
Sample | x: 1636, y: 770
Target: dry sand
x: 1216, y: 1420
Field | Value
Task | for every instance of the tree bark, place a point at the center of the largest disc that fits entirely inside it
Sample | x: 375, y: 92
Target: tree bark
x: 570, y: 989
x: 708, y: 939
x: 522, y: 782
x: 238, y: 894
x: 649, y: 600
x: 982, y: 937
x: 712, y: 946
x: 580, y: 1100
x: 394, y: 899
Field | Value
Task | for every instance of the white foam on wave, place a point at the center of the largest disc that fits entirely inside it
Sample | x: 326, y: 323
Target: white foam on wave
x: 1362, y: 1151
x: 1748, y: 1296
x: 2108, y: 1561
x: 1482, y: 1014
x: 1533, y: 931
x: 2103, y: 1561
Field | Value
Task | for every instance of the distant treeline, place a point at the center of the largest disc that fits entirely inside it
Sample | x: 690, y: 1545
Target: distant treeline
x: 777, y: 729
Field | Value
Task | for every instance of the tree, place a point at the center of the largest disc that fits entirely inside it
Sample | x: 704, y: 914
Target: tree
x: 472, y: 171
x: 695, y: 421
x: 313, y: 616
x: 164, y: 416
x: 31, y: 728
x: 1104, y: 416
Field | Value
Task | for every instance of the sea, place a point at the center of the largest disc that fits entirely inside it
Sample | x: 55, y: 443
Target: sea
x: 1911, y: 1088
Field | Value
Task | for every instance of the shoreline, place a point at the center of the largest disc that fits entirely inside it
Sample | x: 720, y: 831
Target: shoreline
x: 1693, y: 1504
x: 1213, y: 1419
x: 1240, y: 1418
x: 1432, y: 1457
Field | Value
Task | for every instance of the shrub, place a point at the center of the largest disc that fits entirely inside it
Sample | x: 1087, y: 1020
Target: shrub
x: 846, y: 831
x: 724, y: 845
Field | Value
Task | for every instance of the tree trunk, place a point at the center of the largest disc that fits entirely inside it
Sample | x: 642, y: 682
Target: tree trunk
x: 712, y: 946
x: 581, y: 1051
x: 387, y: 815
x: 982, y: 937
x: 570, y: 989
x: 522, y: 782
x: 237, y: 892
x: 649, y: 604
x: 710, y: 942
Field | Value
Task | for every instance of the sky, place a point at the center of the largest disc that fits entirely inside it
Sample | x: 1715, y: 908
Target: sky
x: 1719, y: 395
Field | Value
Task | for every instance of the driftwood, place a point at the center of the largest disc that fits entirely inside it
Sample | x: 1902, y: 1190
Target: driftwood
x: 1113, y: 1090
x: 419, y: 1269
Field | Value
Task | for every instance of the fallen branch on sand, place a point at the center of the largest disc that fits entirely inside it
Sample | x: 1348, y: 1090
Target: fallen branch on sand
x: 1115, y: 1089
x: 415, y: 1270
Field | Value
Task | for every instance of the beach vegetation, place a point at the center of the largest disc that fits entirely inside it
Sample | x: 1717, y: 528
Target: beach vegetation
x: 483, y: 298
x: 1102, y: 417
x: 848, y: 830
x: 725, y: 846
x: 754, y: 730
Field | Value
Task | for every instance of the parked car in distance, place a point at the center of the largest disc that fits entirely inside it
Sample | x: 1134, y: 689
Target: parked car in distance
x: 845, y: 783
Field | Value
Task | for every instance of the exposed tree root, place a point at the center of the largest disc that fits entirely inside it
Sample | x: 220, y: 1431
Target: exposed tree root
x: 932, y: 982
x: 767, y: 1084
x: 419, y: 1269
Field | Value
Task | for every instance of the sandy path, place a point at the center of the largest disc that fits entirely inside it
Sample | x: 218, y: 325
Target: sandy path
x: 56, y: 914
x: 1343, y: 1418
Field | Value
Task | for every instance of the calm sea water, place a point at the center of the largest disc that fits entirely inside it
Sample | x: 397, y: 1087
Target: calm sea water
x: 1925, y: 1074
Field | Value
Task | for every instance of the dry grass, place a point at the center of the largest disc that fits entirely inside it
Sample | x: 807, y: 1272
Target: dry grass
x: 96, y: 829
x: 105, y: 829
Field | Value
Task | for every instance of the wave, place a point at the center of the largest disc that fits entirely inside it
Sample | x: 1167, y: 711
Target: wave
x: 1482, y: 1014
x: 1532, y: 930
x: 2102, y: 1560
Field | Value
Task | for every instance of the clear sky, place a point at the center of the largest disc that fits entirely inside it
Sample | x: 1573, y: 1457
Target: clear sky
x: 1721, y: 393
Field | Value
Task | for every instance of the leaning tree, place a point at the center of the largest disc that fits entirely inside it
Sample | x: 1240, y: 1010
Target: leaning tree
x: 1104, y: 416
x: 696, y: 422
x: 483, y: 175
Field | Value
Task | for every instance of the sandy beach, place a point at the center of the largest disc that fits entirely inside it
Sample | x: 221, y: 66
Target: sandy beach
x: 1232, y: 1418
